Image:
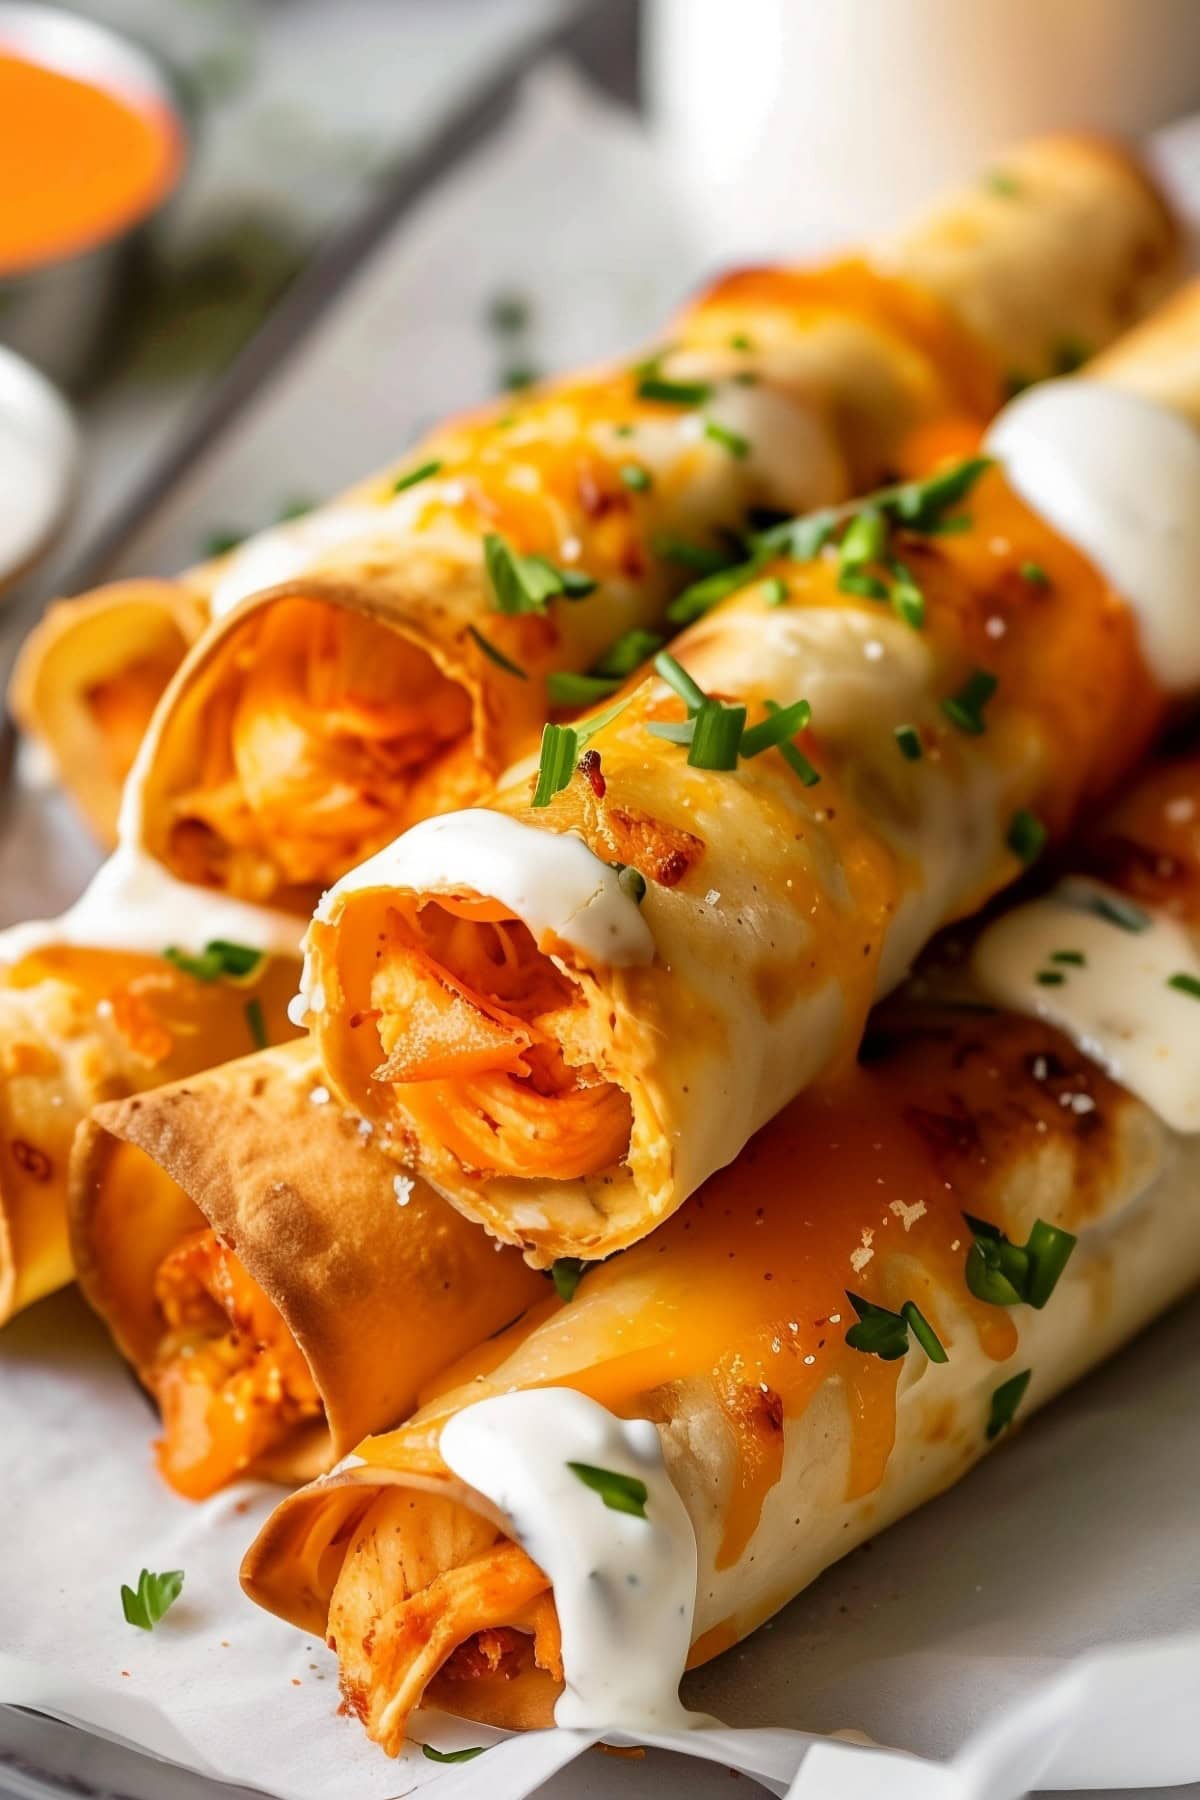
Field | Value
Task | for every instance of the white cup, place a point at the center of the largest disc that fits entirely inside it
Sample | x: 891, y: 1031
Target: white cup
x: 798, y: 125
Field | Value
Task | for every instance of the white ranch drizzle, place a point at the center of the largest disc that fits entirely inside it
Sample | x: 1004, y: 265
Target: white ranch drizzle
x: 1118, y: 477
x: 624, y: 1586
x: 550, y: 880
x: 133, y: 903
x: 1117, y: 1006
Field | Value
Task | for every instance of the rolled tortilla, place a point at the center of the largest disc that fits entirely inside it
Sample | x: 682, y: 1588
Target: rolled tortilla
x: 278, y: 1287
x: 79, y: 1026
x: 568, y: 1050
x: 362, y: 683
x: 727, y: 1330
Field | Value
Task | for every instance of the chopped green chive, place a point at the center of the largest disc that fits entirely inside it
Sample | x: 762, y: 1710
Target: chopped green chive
x: 1005, y: 1401
x: 747, y: 378
x: 623, y: 431
x: 716, y: 736
x: 924, y: 1333
x: 631, y: 881
x: 1109, y: 907
x: 733, y: 441
x: 1004, y: 1274
x: 702, y: 596
x: 1026, y: 836
x: 1050, y: 978
x: 965, y: 709
x: 220, y: 543
x: 674, y: 393
x: 295, y: 508
x: 518, y: 376
x: 863, y: 584
x: 865, y: 538
x: 774, y: 591
x: 923, y: 505
x: 739, y: 341
x: 635, y: 477
x: 154, y: 1596
x: 908, y: 602
x: 620, y: 1493
x: 701, y: 557
x: 567, y: 689
x: 562, y: 746
x: 781, y: 724
x: 423, y: 472
x: 1034, y: 574
x: 677, y: 677
x: 256, y: 1023
x: 908, y: 740
x: 218, y: 959
x: 1075, y: 958
x: 566, y: 1274
x: 628, y: 652
x: 452, y: 1756
x: 497, y: 656
x: 1185, y: 984
x: 522, y: 584
x: 1068, y: 355
x: 508, y: 313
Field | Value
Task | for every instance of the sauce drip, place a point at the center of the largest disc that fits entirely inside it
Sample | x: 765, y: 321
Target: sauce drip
x: 77, y: 162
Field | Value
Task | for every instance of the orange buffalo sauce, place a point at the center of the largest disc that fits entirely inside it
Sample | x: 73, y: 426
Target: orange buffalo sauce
x: 78, y: 162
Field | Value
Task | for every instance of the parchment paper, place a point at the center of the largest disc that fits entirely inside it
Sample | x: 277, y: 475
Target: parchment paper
x: 1038, y: 1626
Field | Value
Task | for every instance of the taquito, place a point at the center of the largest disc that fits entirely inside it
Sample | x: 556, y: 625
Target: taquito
x: 81, y: 1025
x: 571, y: 1006
x: 422, y: 624
x: 831, y: 1332
x: 279, y: 1288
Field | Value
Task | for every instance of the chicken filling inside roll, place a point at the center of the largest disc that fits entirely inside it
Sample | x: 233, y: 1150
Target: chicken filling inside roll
x: 322, y: 734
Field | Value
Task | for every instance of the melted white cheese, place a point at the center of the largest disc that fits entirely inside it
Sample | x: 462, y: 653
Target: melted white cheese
x: 133, y: 903
x: 280, y: 555
x: 1118, y: 477
x: 1118, y: 1006
x: 549, y: 880
x: 624, y: 1586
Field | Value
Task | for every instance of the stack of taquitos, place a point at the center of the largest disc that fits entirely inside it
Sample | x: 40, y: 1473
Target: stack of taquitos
x: 279, y: 1288
x: 572, y: 1006
x: 397, y: 671
x: 829, y: 1333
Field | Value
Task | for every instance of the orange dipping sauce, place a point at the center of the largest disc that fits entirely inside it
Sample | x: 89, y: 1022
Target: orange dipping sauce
x: 78, y: 163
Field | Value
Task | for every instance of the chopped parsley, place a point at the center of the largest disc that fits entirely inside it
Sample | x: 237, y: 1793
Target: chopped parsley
x: 1026, y: 836
x: 453, y: 1756
x: 908, y: 741
x: 634, y: 477
x: 524, y: 584
x: 886, y: 1334
x: 1185, y: 984
x: 965, y: 709
x: 153, y: 1597
x: 256, y: 1023
x: 1004, y: 1403
x: 739, y: 341
x: 733, y: 441
x: 423, y: 472
x: 494, y: 655
x: 219, y: 959
x: 621, y: 1493
x: 1034, y: 574
x: 1002, y: 1273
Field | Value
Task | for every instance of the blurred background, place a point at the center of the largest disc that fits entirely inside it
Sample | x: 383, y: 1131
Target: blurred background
x: 349, y: 216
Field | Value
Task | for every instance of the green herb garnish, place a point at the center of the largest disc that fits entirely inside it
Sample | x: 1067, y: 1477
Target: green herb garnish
x: 453, y: 1756
x: 716, y: 734
x: 1075, y: 958
x: 423, y: 472
x: 631, y: 881
x: 739, y: 341
x: 1002, y: 1273
x: 862, y: 583
x: 774, y: 591
x: 518, y: 376
x: 217, y: 960
x: 781, y: 724
x: 701, y: 557
x: 508, y: 313
x: 524, y: 584
x: 628, y: 652
x: 153, y: 1597
x: 1049, y: 978
x: 635, y: 477
x: 733, y: 441
x: 864, y: 539
x: 257, y: 1024
x: 1026, y: 836
x: 1034, y: 574
x: 885, y: 1334
x: 494, y: 655
x: 1109, y: 907
x: 566, y: 1274
x: 674, y: 393
x: 999, y: 181
x: 562, y: 746
x: 908, y: 740
x: 621, y: 1493
x: 1185, y: 984
x: 220, y: 543
x: 1005, y: 1401
x: 567, y: 689
x: 965, y: 709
